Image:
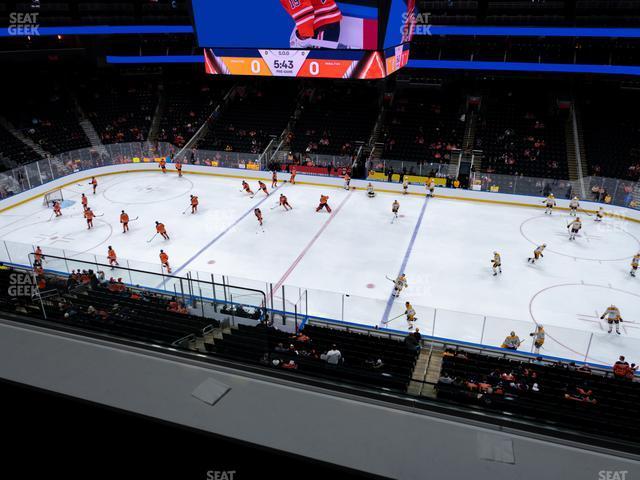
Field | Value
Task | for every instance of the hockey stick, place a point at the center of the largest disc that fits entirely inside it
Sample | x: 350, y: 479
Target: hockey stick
x: 391, y: 319
x: 134, y: 219
x: 586, y: 213
x: 275, y: 206
x: 154, y: 236
x: 185, y: 210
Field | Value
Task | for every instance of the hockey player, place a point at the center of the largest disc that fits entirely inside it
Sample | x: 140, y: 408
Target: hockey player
x: 496, y: 264
x: 179, y: 168
x: 160, y: 228
x: 124, y: 220
x: 405, y: 186
x: 292, y: 178
x: 395, y: 207
x: 85, y: 201
x: 89, y: 215
x: 163, y: 165
x: 370, y: 192
x: 512, y: 342
x: 549, y: 203
x: 317, y: 23
x: 411, y: 315
x: 285, y: 203
x: 635, y: 261
x: 247, y: 188
x: 613, y: 316
x: 258, y: 215
x: 57, y: 209
x: 37, y: 255
x: 347, y: 181
x: 194, y: 204
x: 94, y: 184
x: 323, y: 203
x: 112, y: 257
x: 263, y: 187
x: 599, y: 215
x: 399, y: 284
x: 538, y: 338
x: 164, y: 261
x: 574, y: 227
x: 274, y: 179
x: 431, y: 187
x: 573, y: 206
x: 537, y: 253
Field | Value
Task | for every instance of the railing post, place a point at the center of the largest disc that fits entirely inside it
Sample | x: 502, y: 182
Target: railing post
x: 484, y: 323
x: 586, y: 355
x: 51, y: 168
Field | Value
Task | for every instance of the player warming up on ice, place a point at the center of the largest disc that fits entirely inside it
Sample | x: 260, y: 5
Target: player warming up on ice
x: 599, y: 215
x: 57, y: 209
x: 124, y: 220
x: 395, y: 207
x: 635, y: 261
x: 411, y: 315
x: 574, y: 227
x: 496, y: 264
x: 179, y: 168
x: 370, y: 192
x: 431, y: 187
x: 512, y: 342
x: 194, y: 204
x: 292, y: 178
x: 94, y: 184
x: 549, y: 203
x: 613, y: 316
x: 405, y: 186
x: 323, y: 203
x: 160, y: 228
x: 538, y: 338
x: 285, y: 203
x: 247, y: 188
x: 399, y: 284
x: 163, y: 165
x: 258, y: 214
x: 89, y: 215
x: 112, y: 257
x: 537, y: 253
x: 164, y: 261
x: 274, y: 179
x: 574, y: 204
x: 317, y: 23
x: 263, y: 187
x: 85, y: 201
x: 347, y: 181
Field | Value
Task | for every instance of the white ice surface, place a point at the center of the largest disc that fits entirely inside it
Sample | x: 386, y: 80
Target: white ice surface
x: 350, y: 252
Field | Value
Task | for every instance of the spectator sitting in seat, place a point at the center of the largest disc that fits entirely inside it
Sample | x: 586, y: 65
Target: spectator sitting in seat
x: 446, y: 379
x: 621, y: 368
x: 580, y: 395
x: 374, y: 363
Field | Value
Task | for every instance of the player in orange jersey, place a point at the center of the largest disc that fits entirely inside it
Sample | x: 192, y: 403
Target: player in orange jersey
x: 247, y: 188
x: 274, y: 179
x: 347, y: 181
x: 323, y: 203
x: 163, y: 165
x: 285, y: 203
x: 85, y: 201
x: 160, y: 228
x: 179, y: 168
x: 89, y: 215
x: 124, y: 220
x: 258, y: 214
x: 292, y: 179
x: 112, y: 257
x: 194, y: 204
x: 164, y: 261
x: 263, y: 187
x: 57, y: 209
x: 94, y: 184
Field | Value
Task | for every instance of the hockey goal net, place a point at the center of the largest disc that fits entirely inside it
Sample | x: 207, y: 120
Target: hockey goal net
x: 52, y: 196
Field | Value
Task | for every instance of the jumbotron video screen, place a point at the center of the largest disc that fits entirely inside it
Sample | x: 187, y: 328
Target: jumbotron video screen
x: 366, y: 39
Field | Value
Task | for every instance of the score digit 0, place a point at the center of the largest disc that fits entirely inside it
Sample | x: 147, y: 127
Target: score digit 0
x: 255, y: 66
x: 314, y: 68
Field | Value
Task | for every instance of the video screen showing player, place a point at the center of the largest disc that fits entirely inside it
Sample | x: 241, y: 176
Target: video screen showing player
x: 284, y: 24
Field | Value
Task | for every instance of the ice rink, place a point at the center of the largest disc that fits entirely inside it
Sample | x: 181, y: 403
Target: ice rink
x: 336, y: 265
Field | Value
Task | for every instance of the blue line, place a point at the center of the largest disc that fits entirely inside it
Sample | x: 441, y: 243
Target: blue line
x: 405, y: 260
x: 224, y: 232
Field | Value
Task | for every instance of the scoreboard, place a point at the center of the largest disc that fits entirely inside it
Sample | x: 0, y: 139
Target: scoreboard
x: 359, y: 39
